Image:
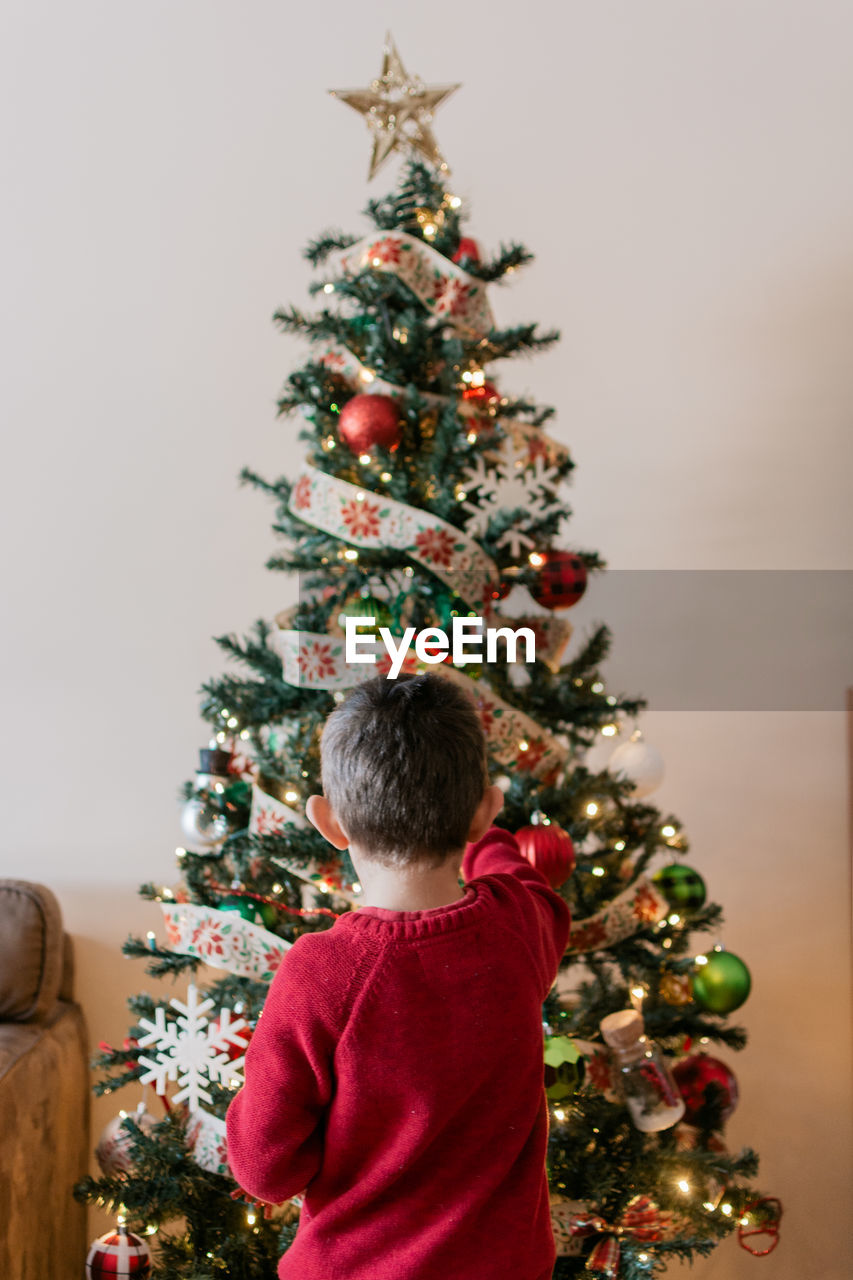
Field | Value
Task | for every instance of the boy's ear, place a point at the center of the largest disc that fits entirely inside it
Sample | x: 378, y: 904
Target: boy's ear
x: 321, y: 815
x: 486, y: 812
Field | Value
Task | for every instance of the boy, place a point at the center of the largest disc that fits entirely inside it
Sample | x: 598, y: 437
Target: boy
x: 396, y: 1071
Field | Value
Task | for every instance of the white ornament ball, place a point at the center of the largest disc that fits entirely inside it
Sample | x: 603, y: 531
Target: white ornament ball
x: 641, y: 763
x: 113, y: 1149
x: 203, y: 825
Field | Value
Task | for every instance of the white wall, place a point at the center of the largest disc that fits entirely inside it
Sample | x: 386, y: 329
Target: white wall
x: 681, y: 171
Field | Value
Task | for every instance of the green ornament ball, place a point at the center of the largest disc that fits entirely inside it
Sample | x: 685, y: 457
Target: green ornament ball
x: 244, y: 907
x: 681, y: 886
x: 721, y: 985
x: 269, y: 915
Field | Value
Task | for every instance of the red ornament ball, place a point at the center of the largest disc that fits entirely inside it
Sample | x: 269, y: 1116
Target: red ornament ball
x: 709, y: 1090
x: 468, y: 248
x: 550, y: 850
x: 235, y: 1051
x: 117, y: 1255
x: 560, y: 579
x: 367, y: 421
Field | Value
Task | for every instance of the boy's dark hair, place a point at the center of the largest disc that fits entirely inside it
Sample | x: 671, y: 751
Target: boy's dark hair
x: 404, y: 767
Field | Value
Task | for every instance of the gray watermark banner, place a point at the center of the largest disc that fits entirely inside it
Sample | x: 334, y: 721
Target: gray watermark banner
x: 725, y: 640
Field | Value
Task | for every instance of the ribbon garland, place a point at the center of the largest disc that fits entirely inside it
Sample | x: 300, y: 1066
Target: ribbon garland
x: 452, y: 295
x: 640, y: 904
x: 271, y: 817
x: 223, y: 941
x: 374, y: 522
x: 317, y: 661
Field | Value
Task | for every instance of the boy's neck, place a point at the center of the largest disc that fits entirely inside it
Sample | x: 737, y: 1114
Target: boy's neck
x: 413, y: 888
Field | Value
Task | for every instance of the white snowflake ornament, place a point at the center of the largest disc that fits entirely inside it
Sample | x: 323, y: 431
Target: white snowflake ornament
x: 193, y: 1051
x: 512, y: 481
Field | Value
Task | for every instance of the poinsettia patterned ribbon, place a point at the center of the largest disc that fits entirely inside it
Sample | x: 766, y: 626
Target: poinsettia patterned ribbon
x: 366, y: 519
x: 206, y: 1141
x: 223, y: 940
x: 452, y: 295
x: 318, y: 661
x: 533, y: 440
x: 641, y: 1219
x: 271, y: 817
x: 369, y: 520
x: 639, y: 905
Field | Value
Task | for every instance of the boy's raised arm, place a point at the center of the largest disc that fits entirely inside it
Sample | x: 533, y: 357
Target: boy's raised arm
x: 497, y: 853
x: 274, y: 1123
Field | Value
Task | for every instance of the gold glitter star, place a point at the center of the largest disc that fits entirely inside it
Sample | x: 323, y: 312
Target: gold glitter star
x: 399, y: 110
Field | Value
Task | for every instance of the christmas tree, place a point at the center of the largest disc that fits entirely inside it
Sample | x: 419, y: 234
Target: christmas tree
x: 429, y: 512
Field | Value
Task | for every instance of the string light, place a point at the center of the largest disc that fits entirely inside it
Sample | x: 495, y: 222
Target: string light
x: 559, y: 1114
x: 612, y: 700
x: 151, y: 939
x: 709, y: 1206
x: 726, y: 1209
x: 180, y: 853
x: 700, y: 960
x: 667, y: 943
x: 537, y: 560
x: 365, y: 459
x: 598, y: 871
x: 278, y: 888
x: 524, y: 745
x: 668, y: 831
x: 683, y: 1185
x: 291, y: 796
x: 244, y: 734
x: 675, y: 918
x: 619, y: 846
x: 385, y: 477
x: 609, y: 730
x: 591, y: 809
x: 350, y: 554
x: 329, y: 443
x: 472, y: 437
x: 225, y: 713
x: 454, y: 201
x: 598, y: 687
x: 328, y: 288
x: 250, y: 1217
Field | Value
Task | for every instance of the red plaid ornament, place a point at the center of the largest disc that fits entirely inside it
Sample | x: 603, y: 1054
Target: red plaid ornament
x: 560, y: 581
x: 118, y: 1254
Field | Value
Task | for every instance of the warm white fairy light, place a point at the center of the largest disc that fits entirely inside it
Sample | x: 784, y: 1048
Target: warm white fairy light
x: 364, y: 459
x: 667, y: 943
x: 385, y: 477
x: 323, y: 887
x: 523, y: 745
x: 726, y: 1209
x: 367, y: 375
x: 356, y: 887
x: 478, y: 378
x: 350, y: 554
x: 709, y: 1206
x: 619, y: 846
x: 409, y: 571
x: 250, y: 1217
x: 668, y: 831
x: 537, y: 560
x: 700, y: 960
x: 454, y: 201
x: 609, y: 730
x: 328, y: 288
x: 467, y: 376
x: 598, y: 871
x: 675, y: 918
x: 559, y: 1114
x: 291, y: 796
x: 151, y: 1229
x: 683, y: 1185
x: 220, y: 738
x: 612, y: 700
x: 180, y: 852
x: 329, y: 444
x: 591, y: 809
x: 461, y: 495
x: 244, y: 734
x: 278, y: 888
x: 704, y: 1040
x: 598, y: 687
x: 218, y: 788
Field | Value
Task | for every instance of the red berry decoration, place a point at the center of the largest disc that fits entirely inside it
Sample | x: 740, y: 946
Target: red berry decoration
x: 550, y: 850
x: 560, y: 580
x: 468, y: 248
x: 117, y: 1255
x: 367, y: 421
x: 709, y: 1090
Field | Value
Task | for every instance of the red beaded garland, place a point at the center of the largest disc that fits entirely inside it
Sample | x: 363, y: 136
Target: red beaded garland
x: 367, y: 421
x: 550, y: 850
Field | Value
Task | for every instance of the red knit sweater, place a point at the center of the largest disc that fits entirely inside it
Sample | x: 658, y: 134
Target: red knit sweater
x: 396, y: 1073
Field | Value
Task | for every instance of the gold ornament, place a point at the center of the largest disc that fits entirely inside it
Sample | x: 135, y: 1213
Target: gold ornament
x: 398, y: 109
x: 676, y: 988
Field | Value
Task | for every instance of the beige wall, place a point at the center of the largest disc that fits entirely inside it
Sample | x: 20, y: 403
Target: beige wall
x: 682, y: 172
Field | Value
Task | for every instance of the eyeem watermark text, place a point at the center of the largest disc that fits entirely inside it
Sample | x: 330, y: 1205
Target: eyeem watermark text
x: 469, y: 641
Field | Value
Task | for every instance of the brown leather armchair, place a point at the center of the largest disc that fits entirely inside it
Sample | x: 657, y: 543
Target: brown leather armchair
x: 44, y: 1091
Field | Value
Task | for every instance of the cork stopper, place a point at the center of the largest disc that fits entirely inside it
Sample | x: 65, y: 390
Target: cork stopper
x: 622, y: 1030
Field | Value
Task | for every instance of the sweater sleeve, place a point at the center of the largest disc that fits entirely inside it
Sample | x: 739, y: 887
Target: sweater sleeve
x: 275, y: 1123
x: 543, y: 916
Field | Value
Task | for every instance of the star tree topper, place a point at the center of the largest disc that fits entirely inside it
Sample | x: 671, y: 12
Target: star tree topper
x: 398, y: 109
